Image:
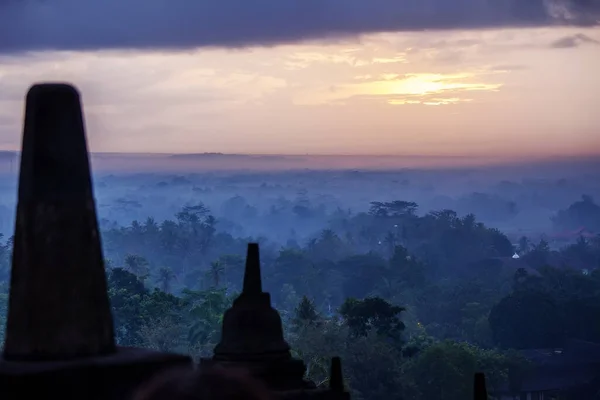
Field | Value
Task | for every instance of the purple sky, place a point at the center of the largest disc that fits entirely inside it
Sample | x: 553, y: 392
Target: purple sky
x: 177, y: 24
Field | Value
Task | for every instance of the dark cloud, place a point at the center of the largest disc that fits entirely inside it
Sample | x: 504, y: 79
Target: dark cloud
x: 175, y: 24
x: 568, y: 42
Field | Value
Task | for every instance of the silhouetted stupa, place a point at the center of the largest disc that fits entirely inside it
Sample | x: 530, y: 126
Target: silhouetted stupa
x: 252, y: 338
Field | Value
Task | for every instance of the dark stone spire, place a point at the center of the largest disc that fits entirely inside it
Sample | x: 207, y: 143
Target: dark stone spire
x: 252, y: 275
x: 479, y: 387
x: 59, y: 334
x: 252, y: 329
x: 58, y: 307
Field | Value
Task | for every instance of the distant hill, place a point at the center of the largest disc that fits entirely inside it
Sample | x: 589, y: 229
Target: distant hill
x: 214, y: 161
x: 7, y: 154
x: 213, y: 156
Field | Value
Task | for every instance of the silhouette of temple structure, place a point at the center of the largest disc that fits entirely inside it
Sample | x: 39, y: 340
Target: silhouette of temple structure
x: 59, y: 335
x: 252, y: 338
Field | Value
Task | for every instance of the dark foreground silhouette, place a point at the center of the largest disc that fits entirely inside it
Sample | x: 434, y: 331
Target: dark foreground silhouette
x: 205, y: 384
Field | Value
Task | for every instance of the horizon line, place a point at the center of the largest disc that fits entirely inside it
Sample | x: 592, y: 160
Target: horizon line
x: 506, y: 157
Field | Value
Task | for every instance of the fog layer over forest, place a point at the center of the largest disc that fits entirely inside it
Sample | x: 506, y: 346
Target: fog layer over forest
x: 417, y: 277
x: 293, y: 197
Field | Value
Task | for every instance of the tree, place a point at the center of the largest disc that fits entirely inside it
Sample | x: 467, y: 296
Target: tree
x: 362, y: 273
x: 165, y: 278
x: 134, y: 306
x: 527, y: 320
x: 121, y: 279
x: 524, y: 245
x: 199, y: 227
x: 406, y: 268
x: 215, y: 272
x: 294, y: 266
x: 305, y: 314
x: 443, y: 371
x: 582, y: 213
x: 375, y: 314
x: 206, y: 315
x: 538, y: 256
x: 522, y: 280
x: 396, y: 208
x: 390, y: 242
x: 327, y: 246
x: 137, y: 265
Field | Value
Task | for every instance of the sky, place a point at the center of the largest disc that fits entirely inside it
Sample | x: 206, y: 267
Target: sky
x: 430, y: 77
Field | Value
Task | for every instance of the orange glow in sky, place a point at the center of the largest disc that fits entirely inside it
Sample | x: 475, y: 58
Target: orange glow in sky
x: 502, y: 93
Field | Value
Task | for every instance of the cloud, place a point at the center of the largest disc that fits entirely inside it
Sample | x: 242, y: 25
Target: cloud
x: 509, y: 67
x: 568, y: 42
x: 428, y: 89
x: 180, y: 24
x: 133, y: 99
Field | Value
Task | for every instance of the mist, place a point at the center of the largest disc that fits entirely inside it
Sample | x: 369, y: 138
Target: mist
x: 284, y: 198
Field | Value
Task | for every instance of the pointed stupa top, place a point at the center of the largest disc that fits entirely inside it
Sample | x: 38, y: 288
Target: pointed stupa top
x: 252, y: 276
x: 479, y: 387
x: 58, y: 304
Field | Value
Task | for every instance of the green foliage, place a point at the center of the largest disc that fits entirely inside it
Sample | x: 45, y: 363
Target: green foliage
x: 447, y: 270
x: 165, y: 279
x: 362, y: 273
x: 395, y: 208
x: 137, y: 265
x: 408, y: 271
x: 206, y: 314
x: 584, y: 212
x: 134, y: 306
x: 445, y: 370
x: 375, y: 314
x: 305, y: 314
x: 526, y: 320
x: 548, y: 308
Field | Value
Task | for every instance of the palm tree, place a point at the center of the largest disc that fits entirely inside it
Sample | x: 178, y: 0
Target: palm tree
x: 469, y: 222
x: 137, y: 265
x: 165, y: 278
x: 216, y: 269
x: 390, y: 242
x: 305, y: 313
